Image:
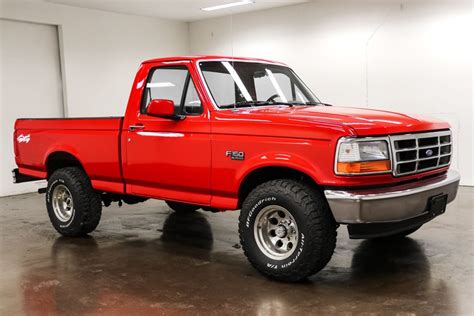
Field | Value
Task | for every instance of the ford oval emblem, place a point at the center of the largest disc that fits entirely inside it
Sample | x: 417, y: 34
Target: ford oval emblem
x: 429, y: 153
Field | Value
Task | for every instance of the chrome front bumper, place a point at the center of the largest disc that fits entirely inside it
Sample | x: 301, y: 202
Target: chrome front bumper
x: 392, y: 204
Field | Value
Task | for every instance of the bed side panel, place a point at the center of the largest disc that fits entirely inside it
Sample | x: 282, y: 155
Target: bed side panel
x: 94, y: 142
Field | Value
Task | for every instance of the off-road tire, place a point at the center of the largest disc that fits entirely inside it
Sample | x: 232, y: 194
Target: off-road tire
x: 316, y: 229
x: 182, y: 207
x: 87, y: 202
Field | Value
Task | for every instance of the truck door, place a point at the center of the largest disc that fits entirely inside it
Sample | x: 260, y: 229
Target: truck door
x: 165, y: 158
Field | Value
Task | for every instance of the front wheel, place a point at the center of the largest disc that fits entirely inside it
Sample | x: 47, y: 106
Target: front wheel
x: 286, y: 230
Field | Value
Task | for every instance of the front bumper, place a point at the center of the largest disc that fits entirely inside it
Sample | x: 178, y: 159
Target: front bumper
x: 399, y: 203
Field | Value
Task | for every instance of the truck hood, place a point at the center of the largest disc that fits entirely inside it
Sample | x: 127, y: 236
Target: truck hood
x: 362, y: 121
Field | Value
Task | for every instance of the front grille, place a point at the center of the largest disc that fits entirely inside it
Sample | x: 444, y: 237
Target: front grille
x: 413, y: 153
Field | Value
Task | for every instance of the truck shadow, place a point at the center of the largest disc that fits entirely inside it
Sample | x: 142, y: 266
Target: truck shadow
x: 374, y: 258
x: 188, y: 230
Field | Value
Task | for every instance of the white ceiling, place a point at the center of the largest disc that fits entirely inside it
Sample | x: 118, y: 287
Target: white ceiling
x: 184, y: 10
x: 190, y: 10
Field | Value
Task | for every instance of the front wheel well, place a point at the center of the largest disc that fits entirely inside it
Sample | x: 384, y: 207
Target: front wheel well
x: 59, y: 160
x: 262, y: 175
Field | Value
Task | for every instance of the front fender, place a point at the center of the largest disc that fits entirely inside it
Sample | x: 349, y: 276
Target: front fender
x: 278, y: 159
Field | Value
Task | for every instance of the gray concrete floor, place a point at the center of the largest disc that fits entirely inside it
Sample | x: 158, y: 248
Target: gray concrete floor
x: 143, y: 259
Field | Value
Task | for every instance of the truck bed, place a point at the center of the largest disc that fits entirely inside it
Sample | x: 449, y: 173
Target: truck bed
x: 95, y: 142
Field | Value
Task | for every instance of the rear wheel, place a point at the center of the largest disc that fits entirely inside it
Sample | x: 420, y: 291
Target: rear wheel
x: 74, y: 208
x: 182, y: 207
x: 286, y: 230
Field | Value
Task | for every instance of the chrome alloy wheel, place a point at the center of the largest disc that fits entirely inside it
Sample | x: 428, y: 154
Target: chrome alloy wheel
x: 63, y: 205
x: 276, y: 232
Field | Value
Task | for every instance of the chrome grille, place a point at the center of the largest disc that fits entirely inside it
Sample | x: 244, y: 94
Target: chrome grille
x: 413, y: 153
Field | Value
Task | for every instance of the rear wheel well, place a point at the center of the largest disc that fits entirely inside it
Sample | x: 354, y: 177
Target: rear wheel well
x: 59, y: 160
x: 265, y: 174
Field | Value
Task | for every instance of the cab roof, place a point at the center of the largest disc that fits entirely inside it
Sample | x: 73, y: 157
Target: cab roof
x: 206, y: 57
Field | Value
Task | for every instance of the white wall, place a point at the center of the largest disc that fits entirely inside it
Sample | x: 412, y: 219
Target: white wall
x: 413, y: 58
x: 25, y: 77
x: 100, y: 55
x: 101, y: 50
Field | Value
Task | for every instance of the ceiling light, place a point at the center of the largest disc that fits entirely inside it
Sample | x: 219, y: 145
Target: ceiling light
x: 228, y: 5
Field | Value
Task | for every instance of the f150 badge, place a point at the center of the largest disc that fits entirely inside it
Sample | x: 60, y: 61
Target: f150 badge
x: 235, y: 155
x: 23, y: 138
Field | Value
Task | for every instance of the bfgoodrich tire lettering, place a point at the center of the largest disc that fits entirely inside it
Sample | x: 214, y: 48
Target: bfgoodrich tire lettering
x: 315, y: 227
x: 85, y: 215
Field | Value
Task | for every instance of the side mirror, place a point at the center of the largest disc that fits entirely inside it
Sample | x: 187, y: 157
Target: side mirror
x: 164, y: 108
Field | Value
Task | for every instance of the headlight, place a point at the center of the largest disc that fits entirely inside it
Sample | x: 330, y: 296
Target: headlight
x: 357, y: 156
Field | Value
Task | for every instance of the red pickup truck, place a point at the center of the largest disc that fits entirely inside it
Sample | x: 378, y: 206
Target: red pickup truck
x: 222, y: 133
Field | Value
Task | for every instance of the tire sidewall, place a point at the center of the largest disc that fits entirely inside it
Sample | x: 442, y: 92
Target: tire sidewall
x: 247, y: 230
x: 73, y: 224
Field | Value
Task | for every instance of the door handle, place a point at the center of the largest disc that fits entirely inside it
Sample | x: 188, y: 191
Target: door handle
x: 136, y: 127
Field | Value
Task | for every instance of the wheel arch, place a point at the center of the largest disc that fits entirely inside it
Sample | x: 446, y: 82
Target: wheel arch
x: 61, y: 159
x: 263, y: 174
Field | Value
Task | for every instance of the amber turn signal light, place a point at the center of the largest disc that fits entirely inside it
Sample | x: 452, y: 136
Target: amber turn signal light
x: 363, y: 166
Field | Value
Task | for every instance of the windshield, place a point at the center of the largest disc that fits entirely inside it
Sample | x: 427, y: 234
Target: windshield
x: 244, y: 84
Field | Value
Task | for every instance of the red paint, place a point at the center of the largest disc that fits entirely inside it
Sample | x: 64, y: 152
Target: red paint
x: 185, y: 160
x: 161, y: 108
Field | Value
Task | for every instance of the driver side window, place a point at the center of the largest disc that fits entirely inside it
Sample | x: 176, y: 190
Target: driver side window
x: 173, y: 83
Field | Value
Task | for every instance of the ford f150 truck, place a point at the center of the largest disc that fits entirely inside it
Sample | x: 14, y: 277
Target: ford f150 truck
x: 222, y: 133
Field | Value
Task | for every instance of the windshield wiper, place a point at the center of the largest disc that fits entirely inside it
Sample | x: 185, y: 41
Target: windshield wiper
x: 240, y: 104
x: 252, y: 103
x: 292, y: 103
x: 318, y: 103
